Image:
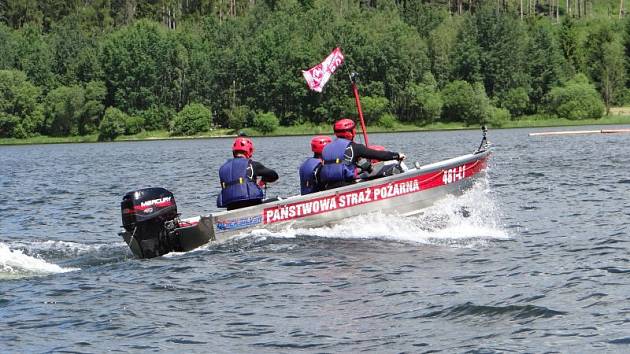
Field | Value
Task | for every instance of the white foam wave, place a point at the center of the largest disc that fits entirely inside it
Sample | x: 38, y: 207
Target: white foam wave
x: 14, y: 263
x: 177, y: 254
x: 63, y: 248
x: 470, y: 220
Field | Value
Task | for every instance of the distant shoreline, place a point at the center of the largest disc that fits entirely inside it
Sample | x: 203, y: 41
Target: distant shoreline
x: 316, y: 130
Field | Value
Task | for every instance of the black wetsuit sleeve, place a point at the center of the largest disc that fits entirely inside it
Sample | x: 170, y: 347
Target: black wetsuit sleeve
x: 267, y: 174
x: 361, y: 151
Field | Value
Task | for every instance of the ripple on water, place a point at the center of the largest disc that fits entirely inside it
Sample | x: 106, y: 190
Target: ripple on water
x: 280, y: 345
x: 595, y: 296
x: 625, y: 340
x: 184, y: 340
x: 535, y: 174
x: 615, y: 270
x: 301, y: 263
x: 145, y: 348
x: 513, y: 311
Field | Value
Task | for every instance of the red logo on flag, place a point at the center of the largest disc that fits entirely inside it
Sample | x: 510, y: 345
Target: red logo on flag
x: 317, y: 76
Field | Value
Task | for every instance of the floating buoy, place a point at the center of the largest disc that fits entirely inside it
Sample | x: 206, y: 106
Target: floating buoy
x: 575, y: 132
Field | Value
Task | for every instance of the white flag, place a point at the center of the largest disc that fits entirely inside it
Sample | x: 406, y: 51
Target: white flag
x: 317, y: 76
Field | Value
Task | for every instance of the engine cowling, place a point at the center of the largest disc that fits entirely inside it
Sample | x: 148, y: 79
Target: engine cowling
x: 149, y: 217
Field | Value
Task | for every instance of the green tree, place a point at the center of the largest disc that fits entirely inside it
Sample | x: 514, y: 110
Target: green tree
x: 19, y: 12
x: 113, y: 124
x: 97, y: 15
x: 545, y: 65
x: 425, y: 17
x: 605, y: 63
x: 464, y: 103
x: 144, y: 65
x: 87, y: 67
x: 157, y: 117
x: 66, y: 42
x: 502, y: 40
x: 239, y: 117
x: 64, y: 108
x: 466, y: 56
x: 387, y: 121
x: 568, y: 42
x: 613, y: 74
x: 7, y: 48
x: 516, y: 101
x: 34, y: 57
x: 442, y: 44
x: 260, y: 77
x: 377, y: 44
x: 266, y: 122
x: 192, y: 119
x: 424, y: 101
x: 133, y: 125
x: 54, y: 11
x: 93, y: 107
x: 496, y: 117
x: 20, y: 111
x: 373, y: 108
x: 11, y: 127
x: 577, y: 99
x: 626, y: 44
x: 208, y: 58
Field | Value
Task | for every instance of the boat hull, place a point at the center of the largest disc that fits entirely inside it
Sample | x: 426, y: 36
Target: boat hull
x: 404, y: 194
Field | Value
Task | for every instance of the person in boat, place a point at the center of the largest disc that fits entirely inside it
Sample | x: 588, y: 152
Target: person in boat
x: 239, y: 176
x: 309, y: 170
x: 376, y: 169
x: 340, y: 157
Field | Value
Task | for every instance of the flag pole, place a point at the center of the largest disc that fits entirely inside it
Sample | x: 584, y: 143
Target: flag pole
x: 355, y: 90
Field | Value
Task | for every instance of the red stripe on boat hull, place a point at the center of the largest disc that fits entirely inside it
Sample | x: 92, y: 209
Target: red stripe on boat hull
x: 372, y: 194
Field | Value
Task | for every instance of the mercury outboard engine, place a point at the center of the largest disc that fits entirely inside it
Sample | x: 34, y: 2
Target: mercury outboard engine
x: 149, y: 217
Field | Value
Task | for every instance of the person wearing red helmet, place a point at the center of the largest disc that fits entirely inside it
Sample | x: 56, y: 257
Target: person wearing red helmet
x: 239, y: 175
x: 340, y: 156
x: 309, y: 170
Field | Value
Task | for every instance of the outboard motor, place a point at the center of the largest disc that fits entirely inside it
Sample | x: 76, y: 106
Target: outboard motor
x: 149, y: 217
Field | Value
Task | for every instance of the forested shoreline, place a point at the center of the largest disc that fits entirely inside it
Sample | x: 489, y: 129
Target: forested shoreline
x: 120, y: 67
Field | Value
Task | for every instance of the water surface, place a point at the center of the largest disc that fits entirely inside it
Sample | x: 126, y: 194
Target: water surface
x: 539, y: 263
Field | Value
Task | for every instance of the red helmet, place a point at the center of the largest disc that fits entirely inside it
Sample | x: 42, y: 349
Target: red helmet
x: 243, y: 145
x: 318, y: 143
x: 345, y: 128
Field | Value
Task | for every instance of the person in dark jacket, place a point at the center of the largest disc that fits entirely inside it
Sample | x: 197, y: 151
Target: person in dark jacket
x: 309, y: 170
x: 239, y: 187
x: 340, y: 156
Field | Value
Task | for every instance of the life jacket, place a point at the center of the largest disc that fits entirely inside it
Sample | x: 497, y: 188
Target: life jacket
x: 336, y: 167
x: 308, y: 179
x: 237, y: 182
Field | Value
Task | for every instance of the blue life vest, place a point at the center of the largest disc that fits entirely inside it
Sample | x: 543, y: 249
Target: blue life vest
x: 237, y: 183
x: 335, y: 167
x: 308, y: 180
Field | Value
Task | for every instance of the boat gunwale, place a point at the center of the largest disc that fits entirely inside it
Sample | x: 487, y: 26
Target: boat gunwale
x: 432, y: 167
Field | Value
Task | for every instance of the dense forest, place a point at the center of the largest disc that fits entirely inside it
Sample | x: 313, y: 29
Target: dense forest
x: 113, y: 67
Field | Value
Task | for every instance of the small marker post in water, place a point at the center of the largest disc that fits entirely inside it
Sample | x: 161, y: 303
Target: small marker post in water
x: 576, y: 132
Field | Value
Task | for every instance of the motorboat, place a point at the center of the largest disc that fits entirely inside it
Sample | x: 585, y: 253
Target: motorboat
x: 152, y: 227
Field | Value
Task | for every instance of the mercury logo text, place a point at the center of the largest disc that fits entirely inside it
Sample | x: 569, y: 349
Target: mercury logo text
x: 151, y: 202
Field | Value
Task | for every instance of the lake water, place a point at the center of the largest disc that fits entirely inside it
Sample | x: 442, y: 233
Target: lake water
x: 540, y: 264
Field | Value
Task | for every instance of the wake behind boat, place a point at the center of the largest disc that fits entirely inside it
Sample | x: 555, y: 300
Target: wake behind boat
x: 152, y: 226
